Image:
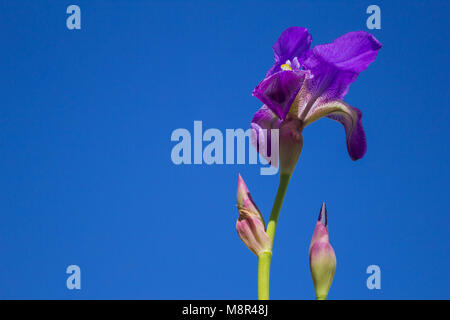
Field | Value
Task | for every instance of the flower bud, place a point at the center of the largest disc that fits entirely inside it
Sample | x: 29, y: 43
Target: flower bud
x: 250, y: 224
x: 322, y: 259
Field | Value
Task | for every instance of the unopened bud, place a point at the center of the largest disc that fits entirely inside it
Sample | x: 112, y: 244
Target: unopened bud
x: 322, y: 259
x: 250, y: 224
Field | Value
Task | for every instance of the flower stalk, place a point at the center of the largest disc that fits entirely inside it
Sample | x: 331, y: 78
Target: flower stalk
x: 265, y: 258
x: 303, y: 85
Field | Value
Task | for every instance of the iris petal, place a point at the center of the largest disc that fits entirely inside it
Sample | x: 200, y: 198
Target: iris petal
x: 350, y: 118
x: 264, y: 119
x: 293, y: 42
x: 336, y: 65
x: 279, y: 90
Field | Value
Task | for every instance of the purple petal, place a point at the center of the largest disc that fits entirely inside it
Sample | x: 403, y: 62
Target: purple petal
x: 349, y: 117
x: 264, y: 119
x: 356, y: 137
x: 278, y: 91
x: 336, y: 65
x: 293, y: 42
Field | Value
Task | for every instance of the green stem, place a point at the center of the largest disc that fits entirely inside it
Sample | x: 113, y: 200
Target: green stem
x: 266, y: 257
x: 263, y: 275
x: 272, y: 225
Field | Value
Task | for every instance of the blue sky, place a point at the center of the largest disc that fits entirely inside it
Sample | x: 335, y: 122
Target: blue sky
x: 86, y: 175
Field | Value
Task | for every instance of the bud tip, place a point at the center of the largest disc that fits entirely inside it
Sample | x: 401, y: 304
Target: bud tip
x: 323, y: 215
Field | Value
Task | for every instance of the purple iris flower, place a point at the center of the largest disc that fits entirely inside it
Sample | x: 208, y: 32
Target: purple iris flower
x: 305, y: 85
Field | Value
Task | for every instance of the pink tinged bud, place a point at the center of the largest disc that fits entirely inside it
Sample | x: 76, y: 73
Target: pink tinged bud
x: 291, y: 143
x: 322, y: 259
x: 250, y: 224
x: 244, y: 199
x: 252, y: 232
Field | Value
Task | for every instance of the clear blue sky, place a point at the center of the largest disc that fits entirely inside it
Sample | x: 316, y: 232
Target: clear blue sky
x: 87, y: 179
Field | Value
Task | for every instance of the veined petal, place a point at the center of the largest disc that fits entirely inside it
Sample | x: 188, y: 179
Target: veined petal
x: 279, y: 90
x: 336, y: 65
x: 266, y: 119
x: 263, y: 121
x: 349, y: 117
x: 293, y: 42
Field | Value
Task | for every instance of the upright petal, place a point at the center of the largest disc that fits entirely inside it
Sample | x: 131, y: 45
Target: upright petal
x: 279, y: 90
x: 349, y: 117
x: 336, y: 65
x: 293, y: 42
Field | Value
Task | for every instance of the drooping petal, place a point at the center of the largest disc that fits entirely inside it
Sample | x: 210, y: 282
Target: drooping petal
x: 266, y: 119
x: 263, y: 122
x: 336, y: 65
x: 293, y: 42
x: 349, y: 117
x: 278, y: 91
